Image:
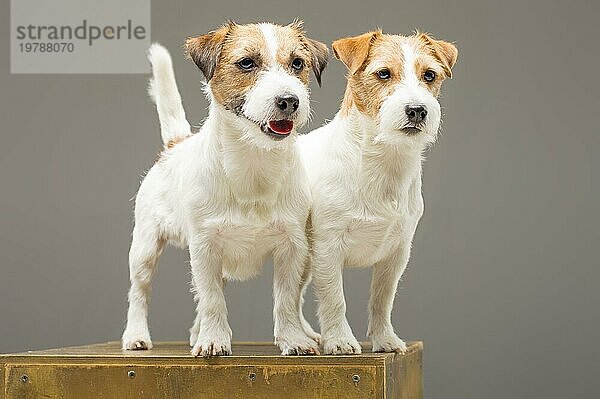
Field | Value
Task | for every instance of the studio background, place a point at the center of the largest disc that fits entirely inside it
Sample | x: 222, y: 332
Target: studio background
x: 502, y: 285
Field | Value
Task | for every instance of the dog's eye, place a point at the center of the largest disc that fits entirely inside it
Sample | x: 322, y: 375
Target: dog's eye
x: 298, y: 64
x: 246, y: 64
x: 383, y: 74
x: 429, y: 76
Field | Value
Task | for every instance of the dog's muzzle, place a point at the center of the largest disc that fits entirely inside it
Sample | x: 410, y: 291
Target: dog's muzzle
x: 286, y: 106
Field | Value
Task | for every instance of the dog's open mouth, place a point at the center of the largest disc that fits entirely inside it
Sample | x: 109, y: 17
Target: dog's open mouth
x: 278, y: 129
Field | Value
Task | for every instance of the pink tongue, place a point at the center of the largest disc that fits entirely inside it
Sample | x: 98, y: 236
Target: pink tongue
x: 282, y: 126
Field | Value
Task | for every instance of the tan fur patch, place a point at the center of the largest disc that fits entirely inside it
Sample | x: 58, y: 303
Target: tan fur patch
x: 292, y: 45
x: 174, y: 141
x: 169, y: 145
x: 230, y: 83
x: 366, y: 91
x: 445, y: 53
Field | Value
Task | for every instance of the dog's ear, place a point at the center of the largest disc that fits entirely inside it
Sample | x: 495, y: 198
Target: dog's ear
x: 319, y: 54
x: 353, y: 51
x: 205, y: 50
x: 446, y: 53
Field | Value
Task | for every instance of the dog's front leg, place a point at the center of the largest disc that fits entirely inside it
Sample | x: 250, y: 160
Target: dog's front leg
x: 328, y: 264
x: 214, y: 336
x: 289, y: 262
x: 146, y: 247
x: 386, y: 275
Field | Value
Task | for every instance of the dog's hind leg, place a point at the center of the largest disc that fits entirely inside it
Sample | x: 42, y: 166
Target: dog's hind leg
x: 146, y: 247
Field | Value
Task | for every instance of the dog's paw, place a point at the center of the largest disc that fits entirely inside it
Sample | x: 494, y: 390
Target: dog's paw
x: 388, y: 343
x: 211, y: 346
x: 341, y: 345
x: 300, y: 344
x: 136, y: 340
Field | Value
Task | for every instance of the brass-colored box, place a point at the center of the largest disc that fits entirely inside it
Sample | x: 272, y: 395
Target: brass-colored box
x: 255, y: 370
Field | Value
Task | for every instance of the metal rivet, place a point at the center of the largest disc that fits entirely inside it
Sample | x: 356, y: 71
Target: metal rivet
x: 252, y: 376
x: 356, y: 379
x: 24, y: 378
x: 131, y: 374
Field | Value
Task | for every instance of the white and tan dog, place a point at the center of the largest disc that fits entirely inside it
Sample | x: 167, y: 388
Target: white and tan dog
x: 236, y: 191
x: 365, y: 173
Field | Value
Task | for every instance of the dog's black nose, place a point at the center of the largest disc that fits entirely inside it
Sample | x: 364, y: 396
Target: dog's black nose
x: 416, y: 113
x: 288, y: 103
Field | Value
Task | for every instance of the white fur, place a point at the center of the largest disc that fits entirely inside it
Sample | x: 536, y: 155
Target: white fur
x: 268, y: 32
x: 365, y: 178
x: 233, y: 203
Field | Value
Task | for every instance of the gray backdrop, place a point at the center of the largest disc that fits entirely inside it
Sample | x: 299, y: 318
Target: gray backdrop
x: 502, y: 284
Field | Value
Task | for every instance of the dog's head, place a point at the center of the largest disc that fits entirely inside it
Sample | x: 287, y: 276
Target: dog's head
x: 260, y: 73
x: 395, y: 80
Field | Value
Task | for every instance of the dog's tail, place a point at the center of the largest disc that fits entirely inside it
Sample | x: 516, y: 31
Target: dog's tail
x: 163, y: 90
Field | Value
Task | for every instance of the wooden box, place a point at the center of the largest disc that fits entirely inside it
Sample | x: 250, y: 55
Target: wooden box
x: 256, y: 370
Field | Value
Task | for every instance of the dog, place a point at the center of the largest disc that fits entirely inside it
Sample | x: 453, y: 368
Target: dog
x: 365, y: 170
x: 236, y: 191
